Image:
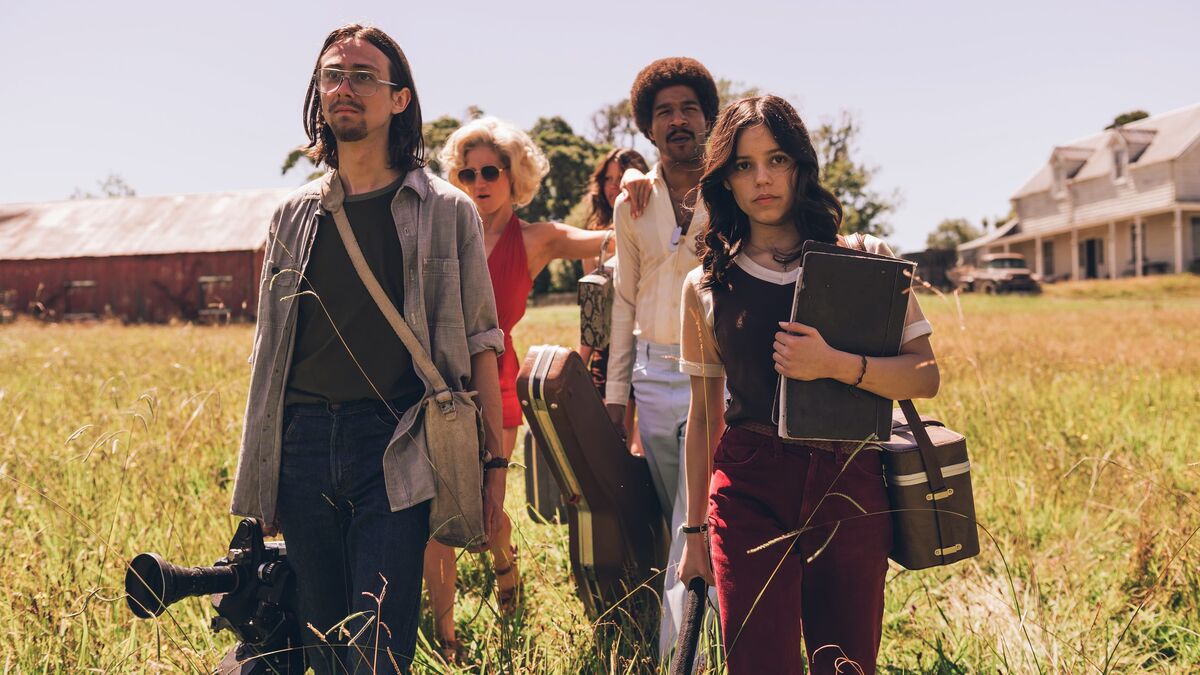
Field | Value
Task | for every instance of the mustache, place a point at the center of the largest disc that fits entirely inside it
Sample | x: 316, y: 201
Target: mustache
x: 349, y: 103
x: 681, y: 133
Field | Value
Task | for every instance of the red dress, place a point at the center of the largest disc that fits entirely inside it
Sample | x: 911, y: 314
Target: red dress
x: 509, y: 269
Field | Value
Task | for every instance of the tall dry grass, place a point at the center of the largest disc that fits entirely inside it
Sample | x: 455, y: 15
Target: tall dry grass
x: 1080, y: 408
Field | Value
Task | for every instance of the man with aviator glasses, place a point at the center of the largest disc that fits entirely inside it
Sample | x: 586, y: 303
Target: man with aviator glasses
x: 332, y: 454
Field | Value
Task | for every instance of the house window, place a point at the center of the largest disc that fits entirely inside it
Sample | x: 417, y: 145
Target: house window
x: 1048, y: 258
x: 1119, y: 163
x: 1196, y: 237
x: 1133, y: 243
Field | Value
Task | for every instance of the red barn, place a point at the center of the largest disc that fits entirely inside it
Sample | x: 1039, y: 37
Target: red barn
x: 193, y: 257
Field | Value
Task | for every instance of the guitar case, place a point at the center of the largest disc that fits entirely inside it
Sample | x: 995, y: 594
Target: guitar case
x: 617, y: 532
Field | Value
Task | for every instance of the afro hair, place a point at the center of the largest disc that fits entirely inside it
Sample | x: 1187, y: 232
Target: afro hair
x: 666, y: 73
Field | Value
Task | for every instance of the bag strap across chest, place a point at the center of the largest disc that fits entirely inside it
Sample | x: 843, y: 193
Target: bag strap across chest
x: 420, y: 357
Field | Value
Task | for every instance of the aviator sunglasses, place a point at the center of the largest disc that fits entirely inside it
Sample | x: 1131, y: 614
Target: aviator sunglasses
x: 490, y: 174
x: 362, y: 82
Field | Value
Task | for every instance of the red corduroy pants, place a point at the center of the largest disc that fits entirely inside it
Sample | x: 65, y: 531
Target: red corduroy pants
x: 827, y: 583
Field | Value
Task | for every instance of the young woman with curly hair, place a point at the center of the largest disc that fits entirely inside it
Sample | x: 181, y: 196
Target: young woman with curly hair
x: 745, y: 484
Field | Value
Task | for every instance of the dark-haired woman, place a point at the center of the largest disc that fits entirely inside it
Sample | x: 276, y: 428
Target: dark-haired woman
x: 746, y: 486
x: 621, y: 170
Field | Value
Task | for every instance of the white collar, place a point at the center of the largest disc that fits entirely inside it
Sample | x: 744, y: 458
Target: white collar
x: 757, y: 271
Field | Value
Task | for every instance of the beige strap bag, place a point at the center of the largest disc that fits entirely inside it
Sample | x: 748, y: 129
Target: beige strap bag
x: 453, y: 423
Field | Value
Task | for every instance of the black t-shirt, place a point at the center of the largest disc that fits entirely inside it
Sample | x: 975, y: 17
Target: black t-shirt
x: 323, y: 368
x: 745, y: 320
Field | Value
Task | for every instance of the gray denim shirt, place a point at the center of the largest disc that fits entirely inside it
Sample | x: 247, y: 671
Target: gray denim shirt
x: 448, y: 303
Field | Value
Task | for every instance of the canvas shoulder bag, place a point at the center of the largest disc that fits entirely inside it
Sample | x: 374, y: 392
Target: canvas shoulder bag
x: 452, y: 422
x: 596, y: 302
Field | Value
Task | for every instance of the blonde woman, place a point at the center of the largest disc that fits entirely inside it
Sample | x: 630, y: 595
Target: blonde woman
x: 501, y: 168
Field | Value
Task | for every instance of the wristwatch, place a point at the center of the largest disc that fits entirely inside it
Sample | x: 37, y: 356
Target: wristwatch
x: 496, y: 463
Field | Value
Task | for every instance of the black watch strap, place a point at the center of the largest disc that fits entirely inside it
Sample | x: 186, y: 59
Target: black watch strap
x: 496, y: 463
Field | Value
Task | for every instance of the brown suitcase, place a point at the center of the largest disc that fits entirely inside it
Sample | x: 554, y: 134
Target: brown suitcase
x: 618, y: 535
x: 928, y: 476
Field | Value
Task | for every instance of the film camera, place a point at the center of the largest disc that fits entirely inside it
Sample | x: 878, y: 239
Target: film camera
x: 252, y: 591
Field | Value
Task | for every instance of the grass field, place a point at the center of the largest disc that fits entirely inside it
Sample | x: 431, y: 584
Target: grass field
x: 1081, y: 409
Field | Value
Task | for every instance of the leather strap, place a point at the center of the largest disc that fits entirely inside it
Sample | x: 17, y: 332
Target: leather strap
x: 612, y: 232
x: 420, y: 357
x: 933, y: 470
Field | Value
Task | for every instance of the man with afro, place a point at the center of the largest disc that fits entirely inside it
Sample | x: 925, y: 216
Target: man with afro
x: 674, y: 102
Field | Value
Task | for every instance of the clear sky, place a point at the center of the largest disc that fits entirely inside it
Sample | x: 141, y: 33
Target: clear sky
x: 960, y: 102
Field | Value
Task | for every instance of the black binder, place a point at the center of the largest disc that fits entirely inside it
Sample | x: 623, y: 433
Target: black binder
x: 857, y: 301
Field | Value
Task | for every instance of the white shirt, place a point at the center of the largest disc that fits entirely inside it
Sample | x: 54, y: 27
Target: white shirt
x: 648, y: 281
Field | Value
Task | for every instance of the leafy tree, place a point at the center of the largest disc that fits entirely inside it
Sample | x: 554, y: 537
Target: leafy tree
x: 951, y: 232
x: 729, y: 91
x: 435, y: 134
x: 865, y: 210
x: 614, y: 125
x: 997, y: 221
x: 1127, y: 117
x: 293, y: 158
x: 572, y: 159
x: 112, y: 185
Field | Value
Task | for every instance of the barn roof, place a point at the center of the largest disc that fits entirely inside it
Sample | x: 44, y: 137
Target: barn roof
x: 193, y: 223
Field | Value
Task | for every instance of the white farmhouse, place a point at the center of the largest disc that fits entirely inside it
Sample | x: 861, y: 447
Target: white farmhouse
x: 1105, y: 201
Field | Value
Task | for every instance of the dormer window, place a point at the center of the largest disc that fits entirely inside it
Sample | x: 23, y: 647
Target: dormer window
x: 1066, y: 162
x: 1120, y: 163
x: 1136, y: 141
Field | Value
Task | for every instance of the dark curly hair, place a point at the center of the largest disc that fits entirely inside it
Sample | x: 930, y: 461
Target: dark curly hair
x: 817, y: 214
x: 406, y: 148
x: 666, y: 73
x: 602, y: 213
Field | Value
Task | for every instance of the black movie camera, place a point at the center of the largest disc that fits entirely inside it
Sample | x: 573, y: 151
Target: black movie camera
x: 253, y: 592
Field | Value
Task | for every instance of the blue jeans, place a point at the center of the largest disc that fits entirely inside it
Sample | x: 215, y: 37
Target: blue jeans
x: 343, y: 540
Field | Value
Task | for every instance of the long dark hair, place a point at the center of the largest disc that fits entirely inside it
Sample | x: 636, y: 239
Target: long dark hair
x: 817, y: 214
x: 602, y: 213
x: 406, y: 149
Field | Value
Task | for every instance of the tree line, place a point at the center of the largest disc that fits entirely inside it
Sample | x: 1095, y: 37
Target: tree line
x: 573, y: 157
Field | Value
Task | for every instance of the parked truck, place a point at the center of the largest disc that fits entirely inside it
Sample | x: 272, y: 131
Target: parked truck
x: 996, y: 273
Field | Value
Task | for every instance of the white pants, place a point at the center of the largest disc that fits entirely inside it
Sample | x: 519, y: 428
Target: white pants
x: 663, y: 394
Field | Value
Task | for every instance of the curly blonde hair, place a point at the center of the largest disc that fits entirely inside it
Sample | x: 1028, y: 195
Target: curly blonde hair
x: 524, y: 161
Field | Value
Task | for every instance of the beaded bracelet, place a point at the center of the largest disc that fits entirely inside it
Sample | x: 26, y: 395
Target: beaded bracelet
x: 862, y: 373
